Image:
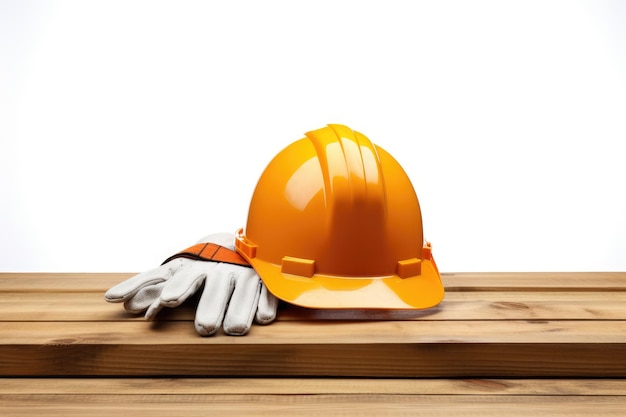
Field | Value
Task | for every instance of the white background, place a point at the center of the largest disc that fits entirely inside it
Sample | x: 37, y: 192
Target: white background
x: 130, y: 129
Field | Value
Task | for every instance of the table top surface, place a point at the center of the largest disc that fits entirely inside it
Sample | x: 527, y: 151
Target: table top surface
x: 543, y: 341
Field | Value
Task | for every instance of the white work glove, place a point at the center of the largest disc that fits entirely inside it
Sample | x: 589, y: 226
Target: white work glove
x: 233, y: 295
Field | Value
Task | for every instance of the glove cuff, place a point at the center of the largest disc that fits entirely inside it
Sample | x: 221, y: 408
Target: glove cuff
x: 210, y: 252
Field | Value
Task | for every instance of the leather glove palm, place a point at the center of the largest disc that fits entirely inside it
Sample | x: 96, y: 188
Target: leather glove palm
x: 233, y: 296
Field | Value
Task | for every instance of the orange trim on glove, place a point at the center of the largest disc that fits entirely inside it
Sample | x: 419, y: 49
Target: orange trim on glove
x: 210, y: 252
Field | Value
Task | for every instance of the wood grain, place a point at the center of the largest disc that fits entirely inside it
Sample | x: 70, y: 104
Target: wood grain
x: 514, y: 344
x: 275, y: 396
x: 312, y: 405
x: 502, y: 305
x: 312, y: 386
x: 381, y: 349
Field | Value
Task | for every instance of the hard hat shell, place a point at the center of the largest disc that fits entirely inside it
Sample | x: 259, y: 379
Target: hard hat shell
x: 334, y: 222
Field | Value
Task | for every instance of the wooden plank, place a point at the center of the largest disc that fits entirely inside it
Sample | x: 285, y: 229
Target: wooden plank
x: 91, y: 306
x: 503, y: 309
x: 492, y: 281
x: 311, y: 386
x: 531, y: 281
x: 374, y: 349
x: 55, y: 282
x: 330, y: 333
x: 65, y: 306
x: 62, y: 329
x: 49, y: 297
x: 536, y: 295
x: 498, y: 335
x: 311, y: 405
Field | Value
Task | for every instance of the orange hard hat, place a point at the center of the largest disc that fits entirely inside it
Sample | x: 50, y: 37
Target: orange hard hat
x: 334, y: 222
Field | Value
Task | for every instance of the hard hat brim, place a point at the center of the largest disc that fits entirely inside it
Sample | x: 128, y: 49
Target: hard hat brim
x: 328, y: 292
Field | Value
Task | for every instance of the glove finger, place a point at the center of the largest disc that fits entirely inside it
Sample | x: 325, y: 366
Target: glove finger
x: 185, y: 282
x: 153, y: 309
x: 144, y: 298
x: 127, y: 289
x: 243, y: 303
x: 268, y: 305
x: 218, y: 287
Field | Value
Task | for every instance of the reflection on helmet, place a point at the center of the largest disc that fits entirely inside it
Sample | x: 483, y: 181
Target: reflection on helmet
x: 334, y: 222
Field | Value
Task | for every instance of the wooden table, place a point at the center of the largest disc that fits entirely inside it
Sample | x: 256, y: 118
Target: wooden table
x: 501, y: 344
